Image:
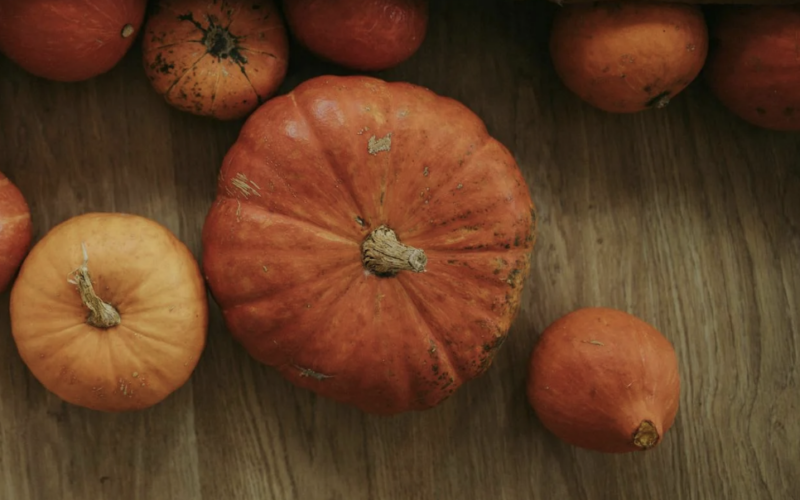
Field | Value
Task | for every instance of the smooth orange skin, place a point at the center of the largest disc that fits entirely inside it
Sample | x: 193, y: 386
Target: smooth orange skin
x: 753, y: 67
x: 596, y: 396
x: 365, y: 35
x: 621, y: 58
x: 190, y: 78
x: 148, y: 275
x: 16, y: 230
x: 68, y: 40
x: 298, y: 193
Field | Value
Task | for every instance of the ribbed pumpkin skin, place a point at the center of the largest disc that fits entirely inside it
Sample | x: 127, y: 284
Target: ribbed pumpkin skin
x: 312, y: 174
x: 219, y: 58
x: 68, y: 40
x: 143, y: 271
x: 16, y: 230
x: 753, y: 66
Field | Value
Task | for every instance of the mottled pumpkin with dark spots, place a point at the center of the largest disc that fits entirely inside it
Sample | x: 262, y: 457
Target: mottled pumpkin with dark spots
x: 214, y: 57
x: 754, y: 64
x: 371, y: 241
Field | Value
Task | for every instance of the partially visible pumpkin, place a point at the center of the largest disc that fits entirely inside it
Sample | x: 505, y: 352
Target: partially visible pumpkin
x: 68, y: 40
x: 365, y: 35
x: 370, y: 240
x: 218, y: 59
x: 628, y: 57
x: 604, y: 380
x: 109, y: 312
x: 16, y: 230
x: 754, y: 64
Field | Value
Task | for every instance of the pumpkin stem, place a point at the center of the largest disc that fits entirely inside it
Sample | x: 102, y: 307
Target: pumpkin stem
x: 383, y: 255
x: 101, y: 314
x: 646, y: 436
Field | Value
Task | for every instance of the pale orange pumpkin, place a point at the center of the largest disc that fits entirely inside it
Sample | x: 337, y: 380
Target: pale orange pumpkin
x: 110, y: 312
x: 16, y: 230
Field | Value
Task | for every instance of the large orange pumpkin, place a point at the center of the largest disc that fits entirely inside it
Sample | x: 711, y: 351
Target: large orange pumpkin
x: 68, y: 40
x: 604, y: 380
x: 16, y: 230
x: 370, y: 240
x: 109, y: 311
x: 366, y: 35
x: 628, y: 57
x: 754, y: 64
x: 219, y: 59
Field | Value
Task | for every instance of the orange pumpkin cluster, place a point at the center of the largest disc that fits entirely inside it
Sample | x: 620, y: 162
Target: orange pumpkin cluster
x: 630, y: 57
x: 354, y: 215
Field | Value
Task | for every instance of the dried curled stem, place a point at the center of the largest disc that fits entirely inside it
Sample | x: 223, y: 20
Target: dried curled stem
x: 101, y: 314
x: 383, y: 255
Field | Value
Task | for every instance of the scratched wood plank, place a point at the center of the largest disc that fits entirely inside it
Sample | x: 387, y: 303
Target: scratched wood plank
x: 685, y: 217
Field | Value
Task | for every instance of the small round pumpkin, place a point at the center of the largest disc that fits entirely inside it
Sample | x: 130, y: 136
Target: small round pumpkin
x: 16, y: 230
x: 753, y: 66
x: 604, y: 380
x: 68, y: 40
x: 109, y: 312
x: 218, y: 59
x: 628, y: 57
x: 365, y: 35
x: 369, y: 240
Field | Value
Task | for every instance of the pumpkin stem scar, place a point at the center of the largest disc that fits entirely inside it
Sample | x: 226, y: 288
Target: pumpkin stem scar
x: 308, y: 372
x: 101, y: 314
x: 384, y: 255
x: 646, y: 436
x: 660, y: 101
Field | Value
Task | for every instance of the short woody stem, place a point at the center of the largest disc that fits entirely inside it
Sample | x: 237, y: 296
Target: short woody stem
x: 101, y: 314
x: 383, y: 255
x: 646, y: 436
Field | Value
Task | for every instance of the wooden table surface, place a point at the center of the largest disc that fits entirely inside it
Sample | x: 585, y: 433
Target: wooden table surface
x: 686, y: 217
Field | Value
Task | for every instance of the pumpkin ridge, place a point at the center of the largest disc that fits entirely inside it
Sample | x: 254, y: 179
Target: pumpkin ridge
x: 414, y: 299
x: 194, y: 65
x: 263, y: 53
x: 214, y: 91
x: 147, y: 50
x: 258, y: 29
x: 466, y: 161
x: 276, y: 329
x: 341, y: 238
x: 137, y: 332
x: 327, y: 154
x: 105, y: 14
x: 260, y: 296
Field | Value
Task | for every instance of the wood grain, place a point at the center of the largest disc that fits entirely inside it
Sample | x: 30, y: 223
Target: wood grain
x: 686, y: 217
